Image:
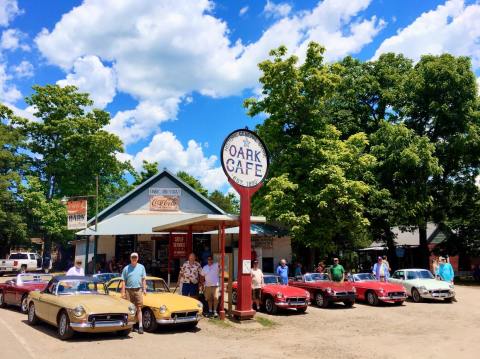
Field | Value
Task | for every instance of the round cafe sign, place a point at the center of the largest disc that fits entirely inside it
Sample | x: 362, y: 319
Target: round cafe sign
x: 244, y: 158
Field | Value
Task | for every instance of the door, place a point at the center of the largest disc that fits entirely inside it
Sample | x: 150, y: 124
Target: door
x: 41, y: 306
x: 9, y: 293
x: 124, y: 246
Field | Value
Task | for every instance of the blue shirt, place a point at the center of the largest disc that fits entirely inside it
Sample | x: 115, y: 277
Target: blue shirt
x: 445, y: 271
x: 282, y: 272
x: 133, y: 275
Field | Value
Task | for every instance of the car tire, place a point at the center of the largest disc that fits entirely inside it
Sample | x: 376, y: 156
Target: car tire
x: 65, y: 332
x: 234, y: 297
x: 124, y: 333
x: 148, y: 320
x: 24, y: 304
x: 372, y: 298
x: 32, y: 316
x: 270, y: 306
x: 2, y: 300
x: 301, y: 310
x: 416, y: 297
x: 320, y: 300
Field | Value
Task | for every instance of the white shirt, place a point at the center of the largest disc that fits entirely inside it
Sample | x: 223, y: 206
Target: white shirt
x: 211, y: 275
x: 76, y: 271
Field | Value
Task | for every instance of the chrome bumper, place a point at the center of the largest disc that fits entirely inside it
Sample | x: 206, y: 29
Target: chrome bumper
x: 177, y: 320
x: 109, y: 324
x: 291, y: 304
x: 397, y: 297
x: 438, y: 296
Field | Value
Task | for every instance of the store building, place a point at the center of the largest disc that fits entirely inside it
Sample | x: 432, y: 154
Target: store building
x: 135, y: 222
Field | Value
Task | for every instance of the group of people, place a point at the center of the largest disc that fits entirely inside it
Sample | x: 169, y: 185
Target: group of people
x: 442, y: 269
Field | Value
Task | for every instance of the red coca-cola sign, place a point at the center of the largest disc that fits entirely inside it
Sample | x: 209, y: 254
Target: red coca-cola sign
x: 164, y: 203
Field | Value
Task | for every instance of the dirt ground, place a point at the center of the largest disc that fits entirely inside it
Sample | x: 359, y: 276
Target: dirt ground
x: 425, y: 330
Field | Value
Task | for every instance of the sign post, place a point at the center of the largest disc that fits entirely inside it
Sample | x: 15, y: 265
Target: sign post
x: 245, y: 161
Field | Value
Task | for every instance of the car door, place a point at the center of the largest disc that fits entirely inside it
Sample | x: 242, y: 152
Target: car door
x: 9, y: 293
x: 43, y: 302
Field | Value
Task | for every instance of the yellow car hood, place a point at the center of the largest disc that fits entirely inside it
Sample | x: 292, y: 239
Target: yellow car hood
x: 174, y: 302
x: 99, y: 303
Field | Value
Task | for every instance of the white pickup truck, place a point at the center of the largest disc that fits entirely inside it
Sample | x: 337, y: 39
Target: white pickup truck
x: 21, y: 262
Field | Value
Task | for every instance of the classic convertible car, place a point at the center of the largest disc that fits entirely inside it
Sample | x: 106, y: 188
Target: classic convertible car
x: 15, y: 291
x: 324, y: 291
x: 420, y: 284
x: 160, y: 307
x: 276, y: 296
x: 80, y: 304
x: 373, y: 291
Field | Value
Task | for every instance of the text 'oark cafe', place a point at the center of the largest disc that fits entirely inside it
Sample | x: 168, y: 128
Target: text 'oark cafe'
x: 164, y: 219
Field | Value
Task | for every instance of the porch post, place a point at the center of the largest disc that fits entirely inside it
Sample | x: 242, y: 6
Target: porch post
x: 222, y: 267
x: 87, y: 249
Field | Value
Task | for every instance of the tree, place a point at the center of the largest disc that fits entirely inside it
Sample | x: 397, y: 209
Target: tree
x: 13, y: 228
x: 149, y: 169
x: 228, y: 202
x: 317, y: 182
x: 193, y: 182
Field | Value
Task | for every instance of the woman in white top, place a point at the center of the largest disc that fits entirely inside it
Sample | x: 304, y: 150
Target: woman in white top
x: 77, y: 269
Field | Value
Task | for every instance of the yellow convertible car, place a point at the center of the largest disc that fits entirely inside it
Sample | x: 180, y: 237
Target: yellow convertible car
x: 160, y: 307
x: 80, y: 304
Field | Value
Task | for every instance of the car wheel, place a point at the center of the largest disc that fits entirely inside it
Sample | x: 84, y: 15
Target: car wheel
x: 148, y: 320
x: 349, y: 303
x: 302, y: 310
x: 372, y: 298
x: 234, y: 297
x: 320, y: 300
x: 124, y: 333
x: 24, y: 304
x: 2, y: 300
x: 270, y: 306
x: 23, y: 269
x: 417, y: 298
x: 32, y: 317
x: 64, y: 330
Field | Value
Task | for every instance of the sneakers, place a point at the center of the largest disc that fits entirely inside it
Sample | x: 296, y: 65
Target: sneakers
x: 140, y: 330
x: 215, y: 314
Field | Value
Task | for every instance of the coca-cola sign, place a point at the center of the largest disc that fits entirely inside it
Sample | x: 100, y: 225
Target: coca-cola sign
x: 164, y: 203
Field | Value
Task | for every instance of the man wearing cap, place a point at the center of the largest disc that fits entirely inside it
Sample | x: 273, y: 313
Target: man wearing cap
x: 135, y: 286
x: 337, y: 271
x: 77, y: 269
x: 380, y: 270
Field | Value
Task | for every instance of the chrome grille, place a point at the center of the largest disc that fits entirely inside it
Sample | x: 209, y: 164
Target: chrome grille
x: 183, y: 314
x: 107, y: 317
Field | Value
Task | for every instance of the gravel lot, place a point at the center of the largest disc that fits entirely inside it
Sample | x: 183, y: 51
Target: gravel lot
x: 425, y: 330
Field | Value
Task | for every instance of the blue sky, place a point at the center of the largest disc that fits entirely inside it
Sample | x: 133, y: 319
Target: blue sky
x: 173, y: 73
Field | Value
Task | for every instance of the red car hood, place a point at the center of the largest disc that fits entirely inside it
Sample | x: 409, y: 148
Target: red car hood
x: 286, y: 290
x: 389, y: 287
x: 336, y: 286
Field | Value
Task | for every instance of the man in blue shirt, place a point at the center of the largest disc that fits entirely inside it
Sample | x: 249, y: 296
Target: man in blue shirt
x: 282, y: 272
x: 135, y: 286
x: 445, y: 272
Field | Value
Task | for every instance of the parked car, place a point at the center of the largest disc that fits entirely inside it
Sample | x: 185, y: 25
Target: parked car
x: 372, y: 291
x: 15, y: 291
x: 21, y: 262
x: 160, y: 307
x: 80, y: 304
x: 106, y: 277
x: 277, y: 296
x: 421, y: 284
x: 323, y: 291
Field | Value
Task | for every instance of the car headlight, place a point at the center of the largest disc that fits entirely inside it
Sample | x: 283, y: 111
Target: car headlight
x: 132, y: 309
x: 354, y: 290
x: 163, y: 309
x: 199, y: 305
x: 307, y: 294
x: 279, y: 295
x: 423, y: 288
x: 79, y: 311
x: 328, y: 290
x: 451, y: 286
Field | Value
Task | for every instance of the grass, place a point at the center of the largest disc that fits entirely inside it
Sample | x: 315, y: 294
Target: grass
x: 220, y: 323
x: 265, y: 322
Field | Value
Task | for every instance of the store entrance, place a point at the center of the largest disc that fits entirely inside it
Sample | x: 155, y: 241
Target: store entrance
x: 124, y: 246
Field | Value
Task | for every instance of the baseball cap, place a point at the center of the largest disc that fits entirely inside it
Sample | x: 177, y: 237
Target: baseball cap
x: 134, y: 254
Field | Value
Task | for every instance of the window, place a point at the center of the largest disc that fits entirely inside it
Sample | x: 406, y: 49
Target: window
x: 18, y: 256
x: 32, y: 256
x: 398, y: 275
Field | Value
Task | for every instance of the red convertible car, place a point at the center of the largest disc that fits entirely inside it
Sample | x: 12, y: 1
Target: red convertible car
x: 373, y: 291
x: 324, y: 291
x: 277, y: 296
x: 15, y: 291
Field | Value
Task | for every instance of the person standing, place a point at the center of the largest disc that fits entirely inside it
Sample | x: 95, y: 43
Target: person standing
x: 435, y: 267
x: 337, y: 271
x: 387, y: 264
x: 211, y: 274
x: 77, y: 269
x: 298, y: 269
x: 282, y: 272
x: 112, y: 265
x: 445, y: 272
x: 189, y: 277
x: 134, y: 286
x: 257, y: 284
x: 380, y: 270
x: 320, y: 267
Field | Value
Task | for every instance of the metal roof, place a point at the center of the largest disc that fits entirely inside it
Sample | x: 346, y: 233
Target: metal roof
x: 139, y: 222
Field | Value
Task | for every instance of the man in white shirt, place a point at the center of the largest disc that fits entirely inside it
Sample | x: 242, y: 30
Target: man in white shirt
x: 77, y: 269
x: 211, y: 274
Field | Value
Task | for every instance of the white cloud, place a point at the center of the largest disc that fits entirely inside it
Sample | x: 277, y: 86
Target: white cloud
x: 243, y: 10
x: 168, y: 151
x: 163, y: 51
x: 8, y: 10
x: 453, y: 27
x: 91, y: 76
x: 272, y: 9
x: 23, y: 70
x: 8, y: 92
x: 12, y: 39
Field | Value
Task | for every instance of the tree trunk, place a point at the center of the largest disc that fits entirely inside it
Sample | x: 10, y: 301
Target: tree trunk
x: 424, y: 252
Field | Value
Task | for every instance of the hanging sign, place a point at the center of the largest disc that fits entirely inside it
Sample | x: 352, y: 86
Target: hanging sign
x: 77, y: 214
x: 244, y: 158
x: 179, y: 246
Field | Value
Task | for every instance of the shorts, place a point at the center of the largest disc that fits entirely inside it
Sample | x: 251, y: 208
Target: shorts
x: 135, y: 295
x: 256, y: 293
x: 211, y: 293
x: 189, y: 289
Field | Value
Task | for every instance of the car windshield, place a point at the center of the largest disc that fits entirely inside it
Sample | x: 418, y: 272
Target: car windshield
x: 72, y: 286
x: 18, y: 256
x: 316, y: 277
x: 270, y: 279
x: 33, y: 278
x: 105, y: 277
x: 364, y: 277
x: 419, y: 274
x: 157, y: 286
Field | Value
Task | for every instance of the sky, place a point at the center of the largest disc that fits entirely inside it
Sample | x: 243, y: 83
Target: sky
x: 173, y: 74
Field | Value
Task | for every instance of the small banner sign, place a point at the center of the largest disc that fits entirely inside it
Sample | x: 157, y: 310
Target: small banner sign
x: 179, y: 246
x: 176, y: 192
x: 164, y: 203
x: 77, y: 214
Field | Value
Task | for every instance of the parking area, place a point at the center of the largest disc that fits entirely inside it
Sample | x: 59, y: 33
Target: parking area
x: 424, y: 330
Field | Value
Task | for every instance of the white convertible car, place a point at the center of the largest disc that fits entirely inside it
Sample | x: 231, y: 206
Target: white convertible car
x: 420, y: 284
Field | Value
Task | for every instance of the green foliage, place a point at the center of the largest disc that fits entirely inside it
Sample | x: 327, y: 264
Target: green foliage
x: 193, y: 182
x: 149, y: 169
